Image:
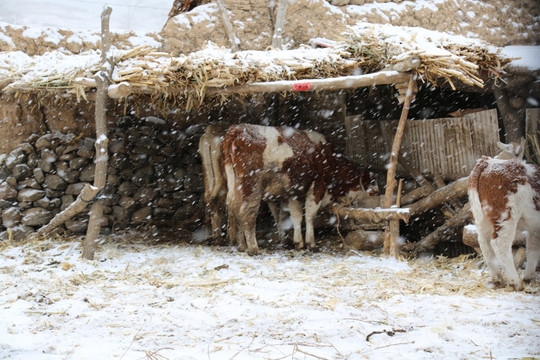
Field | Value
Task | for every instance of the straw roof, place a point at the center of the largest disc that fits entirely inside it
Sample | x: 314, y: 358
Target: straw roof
x: 365, y: 48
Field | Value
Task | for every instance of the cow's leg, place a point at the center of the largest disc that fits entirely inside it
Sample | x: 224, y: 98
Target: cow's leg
x: 502, y: 246
x: 311, y: 211
x: 484, y: 240
x: 295, y: 208
x: 248, y: 222
x: 277, y: 213
x: 216, y: 218
x: 533, y: 254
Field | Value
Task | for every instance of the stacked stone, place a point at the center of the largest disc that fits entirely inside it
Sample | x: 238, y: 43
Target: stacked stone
x: 154, y: 176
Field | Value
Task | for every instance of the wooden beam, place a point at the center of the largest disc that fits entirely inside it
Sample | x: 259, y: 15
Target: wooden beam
x: 462, y: 217
x: 337, y: 83
x: 371, y: 215
x: 451, y: 191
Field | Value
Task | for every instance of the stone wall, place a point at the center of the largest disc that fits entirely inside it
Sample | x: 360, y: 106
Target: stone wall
x: 155, y: 177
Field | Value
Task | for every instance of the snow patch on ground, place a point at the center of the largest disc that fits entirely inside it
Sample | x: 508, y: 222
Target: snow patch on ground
x: 183, y: 301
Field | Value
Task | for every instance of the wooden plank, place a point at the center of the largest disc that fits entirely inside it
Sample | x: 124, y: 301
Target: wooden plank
x: 445, y: 146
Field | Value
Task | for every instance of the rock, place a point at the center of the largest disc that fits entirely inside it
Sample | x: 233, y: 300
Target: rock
x: 66, y: 201
x: 30, y: 195
x: 12, y: 181
x: 48, y: 155
x: 75, y: 189
x: 120, y: 214
x: 44, y: 202
x: 44, y: 142
x: 21, y: 171
x: 145, y: 196
x: 39, y: 175
x: 180, y: 173
x: 5, y: 204
x: 114, y: 179
x: 54, y: 182
x: 86, y: 152
x: 16, y: 157
x: 45, y: 166
x: 87, y: 174
x: 143, y: 176
x: 142, y: 215
x: 36, y: 217
x: 24, y: 204
x: 78, y: 163
x: 169, y: 184
x: 76, y: 226
x: 193, y: 183
x: 7, y: 192
x: 18, y: 233
x: 55, y: 203
x: 4, y: 172
x: 28, y: 183
x: 66, y: 157
x: 11, y: 217
x: 70, y: 176
x: 32, y: 160
x: 126, y: 202
x: 185, y: 212
x: 51, y: 194
x: 118, y: 146
x: 127, y: 188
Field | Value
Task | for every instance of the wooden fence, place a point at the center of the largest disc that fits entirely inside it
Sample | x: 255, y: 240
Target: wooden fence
x: 447, y: 146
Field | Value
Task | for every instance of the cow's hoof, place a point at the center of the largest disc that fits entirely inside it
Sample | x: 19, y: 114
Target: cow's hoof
x: 312, y: 247
x: 495, y: 284
x: 253, y: 252
x: 241, y: 248
x: 517, y: 287
x: 299, y: 247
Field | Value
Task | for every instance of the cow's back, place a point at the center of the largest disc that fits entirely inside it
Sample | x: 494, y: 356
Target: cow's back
x: 497, y: 186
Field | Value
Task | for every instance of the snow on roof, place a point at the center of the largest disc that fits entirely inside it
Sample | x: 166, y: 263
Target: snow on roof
x: 365, y: 48
x: 525, y: 57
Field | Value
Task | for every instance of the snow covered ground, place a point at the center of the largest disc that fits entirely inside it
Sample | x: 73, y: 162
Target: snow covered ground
x: 177, y: 301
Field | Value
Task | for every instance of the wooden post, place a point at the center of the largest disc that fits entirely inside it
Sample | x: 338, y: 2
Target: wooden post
x: 392, y: 231
x: 233, y: 40
x: 277, y: 39
x: 89, y: 192
x: 102, y: 142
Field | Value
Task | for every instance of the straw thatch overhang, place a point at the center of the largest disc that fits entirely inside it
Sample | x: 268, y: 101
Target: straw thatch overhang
x: 365, y: 56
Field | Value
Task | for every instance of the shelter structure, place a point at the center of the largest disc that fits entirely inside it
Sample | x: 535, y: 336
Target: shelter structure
x: 404, y: 59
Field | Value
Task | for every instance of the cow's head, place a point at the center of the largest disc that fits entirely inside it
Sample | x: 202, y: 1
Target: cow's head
x: 513, y: 150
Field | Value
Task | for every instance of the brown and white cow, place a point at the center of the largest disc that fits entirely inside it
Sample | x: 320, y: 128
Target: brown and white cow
x: 505, y: 200
x: 215, y: 185
x: 281, y: 164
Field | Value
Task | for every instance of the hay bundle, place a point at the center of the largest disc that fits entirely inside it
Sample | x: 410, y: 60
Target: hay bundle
x: 441, y: 56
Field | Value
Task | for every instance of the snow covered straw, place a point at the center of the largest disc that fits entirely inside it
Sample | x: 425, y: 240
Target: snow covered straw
x: 365, y: 48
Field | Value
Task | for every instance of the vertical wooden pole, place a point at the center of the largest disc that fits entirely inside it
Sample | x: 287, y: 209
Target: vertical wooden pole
x: 102, y: 142
x: 392, y: 231
x: 277, y: 39
x: 233, y: 40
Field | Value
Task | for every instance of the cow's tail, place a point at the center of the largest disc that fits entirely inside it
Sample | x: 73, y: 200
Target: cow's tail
x: 474, y: 180
x: 210, y: 151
